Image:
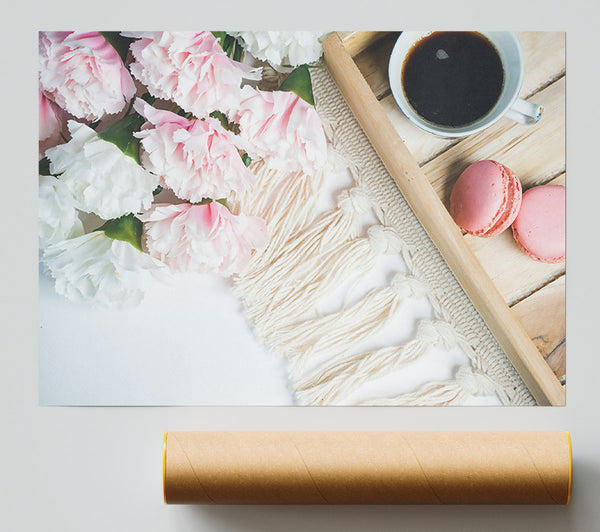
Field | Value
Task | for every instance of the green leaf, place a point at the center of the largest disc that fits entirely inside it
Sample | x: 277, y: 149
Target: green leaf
x: 121, y: 134
x: 221, y: 118
x: 118, y: 42
x: 148, y: 98
x: 126, y: 228
x: 246, y: 159
x: 220, y: 36
x: 299, y: 82
x: 157, y: 190
x: 237, y: 53
x: 206, y: 201
x: 229, y: 44
x: 44, y: 166
x: 203, y: 201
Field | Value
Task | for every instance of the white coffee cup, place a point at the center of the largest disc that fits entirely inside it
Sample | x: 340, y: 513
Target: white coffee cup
x: 508, y: 104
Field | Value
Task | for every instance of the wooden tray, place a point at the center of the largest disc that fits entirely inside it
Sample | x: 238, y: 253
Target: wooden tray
x: 418, y: 185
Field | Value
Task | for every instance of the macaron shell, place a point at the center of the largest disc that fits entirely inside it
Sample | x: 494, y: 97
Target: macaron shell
x: 513, y: 196
x: 479, y: 197
x: 539, y: 228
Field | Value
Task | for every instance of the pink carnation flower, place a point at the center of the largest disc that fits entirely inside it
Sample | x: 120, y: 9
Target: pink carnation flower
x: 203, y: 238
x: 190, y: 69
x: 83, y: 74
x: 195, y: 158
x: 49, y: 118
x: 283, y: 129
x: 50, y: 124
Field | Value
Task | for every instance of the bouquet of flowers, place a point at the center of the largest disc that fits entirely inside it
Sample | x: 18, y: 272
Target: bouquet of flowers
x: 143, y: 138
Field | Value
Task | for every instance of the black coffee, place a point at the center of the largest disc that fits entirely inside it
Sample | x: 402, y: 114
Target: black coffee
x: 453, y: 78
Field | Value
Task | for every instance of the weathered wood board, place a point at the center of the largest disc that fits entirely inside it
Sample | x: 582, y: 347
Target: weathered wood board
x: 535, y: 291
x: 543, y: 317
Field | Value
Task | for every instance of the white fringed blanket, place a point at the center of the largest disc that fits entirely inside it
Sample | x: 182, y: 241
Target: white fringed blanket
x: 314, y: 255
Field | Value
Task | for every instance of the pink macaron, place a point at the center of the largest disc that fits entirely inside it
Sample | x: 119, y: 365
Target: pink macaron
x: 485, y: 199
x: 539, y: 228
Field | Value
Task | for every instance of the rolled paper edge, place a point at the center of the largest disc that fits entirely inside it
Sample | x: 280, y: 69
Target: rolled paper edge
x: 564, y: 501
x: 570, y: 468
x: 164, y: 467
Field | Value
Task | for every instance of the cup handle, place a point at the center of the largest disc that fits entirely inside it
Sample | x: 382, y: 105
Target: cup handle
x: 525, y: 112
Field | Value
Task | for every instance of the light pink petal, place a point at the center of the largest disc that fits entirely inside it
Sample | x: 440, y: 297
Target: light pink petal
x: 197, y: 159
x: 49, y: 118
x: 202, y: 238
x: 282, y: 129
x: 83, y: 74
x: 190, y: 69
x: 159, y: 117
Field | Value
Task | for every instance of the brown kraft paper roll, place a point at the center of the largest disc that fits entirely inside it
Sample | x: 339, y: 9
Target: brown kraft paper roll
x: 367, y: 467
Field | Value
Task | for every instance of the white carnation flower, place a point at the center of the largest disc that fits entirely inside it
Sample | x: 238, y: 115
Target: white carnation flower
x: 282, y: 47
x: 100, y: 269
x: 58, y: 219
x: 101, y: 178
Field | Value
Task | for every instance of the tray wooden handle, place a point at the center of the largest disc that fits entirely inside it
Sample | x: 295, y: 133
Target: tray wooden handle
x: 431, y: 212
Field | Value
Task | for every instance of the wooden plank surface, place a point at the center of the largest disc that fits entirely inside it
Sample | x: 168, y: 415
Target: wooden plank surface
x: 535, y: 153
x: 436, y: 220
x: 357, y: 41
x: 373, y: 63
x: 543, y: 317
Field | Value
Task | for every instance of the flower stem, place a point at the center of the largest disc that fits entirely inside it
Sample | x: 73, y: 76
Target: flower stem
x: 130, y: 106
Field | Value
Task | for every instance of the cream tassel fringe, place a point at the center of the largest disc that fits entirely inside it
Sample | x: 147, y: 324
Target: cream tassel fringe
x: 336, y: 225
x: 288, y: 302
x: 335, y: 380
x: 339, y: 332
x: 468, y: 382
x: 285, y: 200
x: 308, y: 259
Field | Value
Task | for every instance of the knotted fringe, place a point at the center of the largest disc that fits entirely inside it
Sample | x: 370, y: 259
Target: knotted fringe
x: 333, y: 381
x: 285, y: 200
x: 338, y: 332
x: 333, y: 226
x: 286, y: 303
x: 468, y: 382
x: 309, y: 258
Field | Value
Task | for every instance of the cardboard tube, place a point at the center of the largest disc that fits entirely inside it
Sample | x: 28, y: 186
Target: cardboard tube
x: 367, y: 467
